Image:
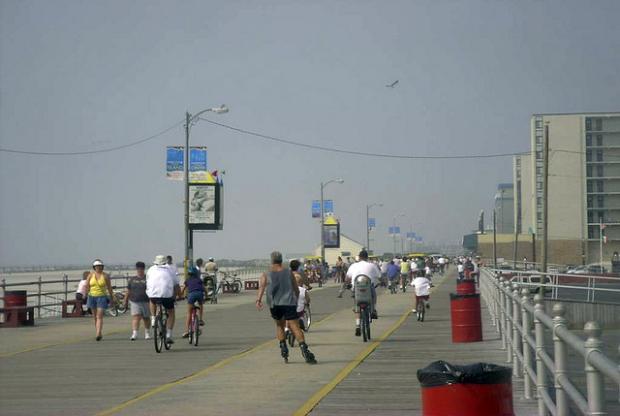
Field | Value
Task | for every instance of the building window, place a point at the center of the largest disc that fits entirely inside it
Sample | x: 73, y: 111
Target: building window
x: 588, y: 140
x: 590, y: 187
x: 539, y: 185
x: 599, y: 139
x: 539, y: 216
x: 538, y: 122
x: 599, y: 186
x: 539, y: 155
x: 590, y: 202
x: 600, y: 201
x: 591, y: 232
x: 539, y: 170
x: 599, y: 124
x: 589, y: 171
x: 599, y: 155
x: 599, y: 171
x: 601, y: 216
x: 588, y: 155
x: 588, y: 124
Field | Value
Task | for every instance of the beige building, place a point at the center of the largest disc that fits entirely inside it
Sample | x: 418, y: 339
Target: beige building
x: 583, y: 185
x: 348, y: 248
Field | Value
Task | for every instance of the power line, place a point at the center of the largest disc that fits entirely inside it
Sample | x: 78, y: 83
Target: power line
x: 354, y: 152
x: 90, y: 152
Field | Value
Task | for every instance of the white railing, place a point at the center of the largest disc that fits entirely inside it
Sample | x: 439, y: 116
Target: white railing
x: 522, y: 327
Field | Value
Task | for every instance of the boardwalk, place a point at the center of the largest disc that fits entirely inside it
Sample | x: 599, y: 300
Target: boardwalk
x: 57, y: 367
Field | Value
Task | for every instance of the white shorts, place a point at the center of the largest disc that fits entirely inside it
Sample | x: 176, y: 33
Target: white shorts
x: 140, y: 308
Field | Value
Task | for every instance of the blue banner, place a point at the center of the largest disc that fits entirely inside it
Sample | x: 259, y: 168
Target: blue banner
x: 328, y: 205
x: 394, y: 230
x: 371, y: 223
x: 174, y: 163
x: 316, y: 209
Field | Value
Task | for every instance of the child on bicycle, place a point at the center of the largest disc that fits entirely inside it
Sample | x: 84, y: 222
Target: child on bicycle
x: 195, y: 292
x: 422, y: 286
x: 304, y: 295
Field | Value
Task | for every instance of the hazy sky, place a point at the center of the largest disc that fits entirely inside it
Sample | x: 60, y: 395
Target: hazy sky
x: 88, y: 75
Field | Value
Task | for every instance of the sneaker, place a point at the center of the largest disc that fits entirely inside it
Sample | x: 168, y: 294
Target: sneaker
x: 98, y: 337
x: 147, y: 336
x: 358, y: 331
x: 201, y: 323
x: 374, y: 315
x: 152, y: 322
x: 428, y: 306
x: 185, y: 335
x: 133, y: 337
x: 414, y: 311
x: 169, y: 341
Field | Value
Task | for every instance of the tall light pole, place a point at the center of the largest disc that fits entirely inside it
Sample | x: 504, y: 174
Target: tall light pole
x: 368, y: 225
x: 323, y: 185
x: 189, y: 120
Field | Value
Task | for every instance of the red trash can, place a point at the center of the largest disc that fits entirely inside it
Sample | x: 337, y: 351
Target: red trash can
x: 480, y: 389
x: 465, y: 317
x: 16, y: 298
x: 465, y: 286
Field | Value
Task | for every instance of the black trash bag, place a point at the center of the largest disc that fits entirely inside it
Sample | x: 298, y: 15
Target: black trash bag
x: 441, y: 373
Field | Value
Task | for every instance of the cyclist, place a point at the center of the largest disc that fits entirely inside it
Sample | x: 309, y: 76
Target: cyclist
x: 304, y: 296
x: 404, y: 273
x: 194, y: 290
x: 364, y: 267
x: 393, y: 271
x: 282, y: 295
x: 211, y: 272
x: 162, y: 287
x: 422, y: 286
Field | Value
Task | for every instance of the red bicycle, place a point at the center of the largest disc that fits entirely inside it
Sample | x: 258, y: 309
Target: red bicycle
x: 194, y: 324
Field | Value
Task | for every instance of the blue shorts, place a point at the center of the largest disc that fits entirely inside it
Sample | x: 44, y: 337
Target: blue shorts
x: 100, y: 302
x: 195, y: 296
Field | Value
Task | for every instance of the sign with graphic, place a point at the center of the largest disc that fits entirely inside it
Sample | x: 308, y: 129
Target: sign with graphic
x: 411, y: 236
x: 331, y: 235
x: 371, y: 223
x: 394, y: 230
x: 175, y: 164
x: 206, y: 206
x: 328, y: 207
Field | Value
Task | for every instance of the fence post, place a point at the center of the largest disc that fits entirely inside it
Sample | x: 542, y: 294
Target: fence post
x: 594, y: 379
x: 527, y: 351
x: 39, y: 299
x: 489, y: 286
x: 3, y: 289
x: 65, y: 279
x: 502, y: 313
x: 541, y: 374
x: 508, y: 325
x: 516, y: 340
x: 560, y: 356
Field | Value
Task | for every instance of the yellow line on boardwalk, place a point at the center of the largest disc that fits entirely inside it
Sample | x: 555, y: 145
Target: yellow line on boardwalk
x: 307, y: 407
x: 196, y: 375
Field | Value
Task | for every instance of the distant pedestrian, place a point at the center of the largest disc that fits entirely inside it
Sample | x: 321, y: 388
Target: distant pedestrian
x: 139, y: 302
x: 282, y: 297
x: 98, y: 302
x: 81, y: 293
x: 172, y: 266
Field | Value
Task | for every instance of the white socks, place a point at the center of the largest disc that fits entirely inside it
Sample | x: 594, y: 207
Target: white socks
x: 357, y: 322
x: 168, y: 333
x: 152, y: 321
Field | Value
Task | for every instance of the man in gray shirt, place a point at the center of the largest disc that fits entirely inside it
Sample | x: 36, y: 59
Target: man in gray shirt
x: 282, y: 293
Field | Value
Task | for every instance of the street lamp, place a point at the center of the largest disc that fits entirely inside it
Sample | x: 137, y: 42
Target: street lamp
x: 396, y: 216
x: 367, y: 225
x: 189, y: 120
x: 323, y: 185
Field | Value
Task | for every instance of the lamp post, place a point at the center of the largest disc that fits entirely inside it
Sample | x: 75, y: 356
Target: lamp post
x: 189, y: 120
x: 367, y: 225
x: 323, y: 185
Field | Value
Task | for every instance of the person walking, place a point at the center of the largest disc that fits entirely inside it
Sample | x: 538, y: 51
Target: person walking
x: 98, y: 302
x: 139, y: 302
x: 81, y: 293
x: 282, y: 295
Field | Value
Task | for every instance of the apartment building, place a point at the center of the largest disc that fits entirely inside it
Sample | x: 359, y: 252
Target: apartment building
x: 583, y: 185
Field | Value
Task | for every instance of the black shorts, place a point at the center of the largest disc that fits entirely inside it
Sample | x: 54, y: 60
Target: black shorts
x: 167, y: 303
x: 286, y: 312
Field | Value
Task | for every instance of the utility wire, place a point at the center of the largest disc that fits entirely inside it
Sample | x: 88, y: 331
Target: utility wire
x: 90, y: 152
x: 354, y: 152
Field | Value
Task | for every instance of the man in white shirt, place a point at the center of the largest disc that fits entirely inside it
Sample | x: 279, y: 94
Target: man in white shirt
x: 422, y: 291
x: 162, y: 287
x: 364, y: 267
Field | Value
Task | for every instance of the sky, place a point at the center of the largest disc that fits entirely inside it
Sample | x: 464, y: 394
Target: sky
x: 79, y: 76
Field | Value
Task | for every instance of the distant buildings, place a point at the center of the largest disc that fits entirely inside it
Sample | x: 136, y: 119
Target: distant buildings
x: 583, y: 191
x: 504, y: 208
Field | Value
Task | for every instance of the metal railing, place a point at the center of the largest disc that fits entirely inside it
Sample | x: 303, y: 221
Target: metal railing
x: 522, y: 327
x: 47, y: 296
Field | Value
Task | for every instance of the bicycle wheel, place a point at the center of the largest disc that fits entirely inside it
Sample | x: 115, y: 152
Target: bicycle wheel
x: 191, y: 328
x: 158, y: 336
x: 420, y: 309
x: 113, y: 310
x: 364, y: 324
x: 290, y: 337
x: 196, y: 327
x: 236, y: 286
x: 308, y: 318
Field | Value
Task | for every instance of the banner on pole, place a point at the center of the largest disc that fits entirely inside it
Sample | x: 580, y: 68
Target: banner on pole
x: 394, y: 230
x: 175, y: 164
x: 371, y: 223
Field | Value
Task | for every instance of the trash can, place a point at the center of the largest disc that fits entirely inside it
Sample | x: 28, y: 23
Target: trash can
x: 465, y: 286
x: 16, y: 299
x: 479, y: 389
x: 465, y: 317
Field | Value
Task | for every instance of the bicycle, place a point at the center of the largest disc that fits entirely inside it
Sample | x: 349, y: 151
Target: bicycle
x: 363, y: 303
x: 392, y: 287
x: 304, y: 323
x: 420, y: 308
x: 117, y: 305
x: 159, y: 331
x: 194, y: 324
x: 210, y: 289
x: 230, y: 283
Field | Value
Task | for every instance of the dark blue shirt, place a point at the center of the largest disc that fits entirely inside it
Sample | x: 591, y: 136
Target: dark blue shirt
x: 393, y: 271
x: 194, y: 284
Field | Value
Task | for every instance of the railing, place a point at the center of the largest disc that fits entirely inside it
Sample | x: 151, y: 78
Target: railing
x: 47, y: 295
x: 513, y: 314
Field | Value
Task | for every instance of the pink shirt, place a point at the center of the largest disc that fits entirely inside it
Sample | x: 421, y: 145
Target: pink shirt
x: 82, y: 287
